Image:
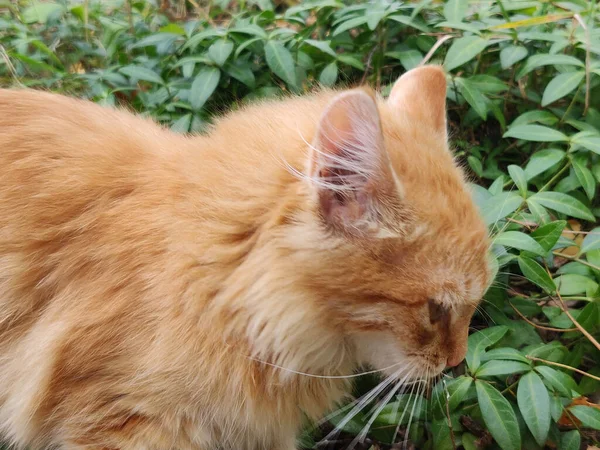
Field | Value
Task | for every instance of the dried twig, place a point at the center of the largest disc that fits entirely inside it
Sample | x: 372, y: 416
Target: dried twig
x: 563, y: 366
x: 541, y: 327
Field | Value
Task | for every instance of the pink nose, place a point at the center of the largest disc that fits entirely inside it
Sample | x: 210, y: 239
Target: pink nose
x: 454, y: 360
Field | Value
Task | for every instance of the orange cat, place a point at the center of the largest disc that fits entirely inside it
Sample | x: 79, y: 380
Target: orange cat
x: 162, y: 292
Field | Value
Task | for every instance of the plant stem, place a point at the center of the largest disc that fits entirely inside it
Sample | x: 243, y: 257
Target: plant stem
x: 563, y: 366
x: 575, y: 258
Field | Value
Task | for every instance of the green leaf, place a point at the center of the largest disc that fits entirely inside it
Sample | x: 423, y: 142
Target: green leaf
x: 518, y: 240
x: 253, y: 30
x: 542, y: 161
x: 536, y: 273
x: 329, y: 74
x: 535, y: 133
x: 40, y: 11
x: 561, y: 85
x: 535, y: 116
x: 324, y: 46
x: 587, y: 140
x: 589, y: 417
x: 351, y: 23
x: 518, y: 176
x: 500, y: 206
x: 182, y: 125
x: 409, y: 59
x: 500, y: 367
x: 591, y: 241
x: 504, y: 353
x: 539, y: 60
x: 351, y: 61
x: 558, y: 380
x: 280, y: 61
x: 220, y: 50
x: 463, y: 50
x: 141, y: 73
x: 478, y: 342
x: 584, y: 176
x: 511, y: 55
x: 475, y: 165
x: 488, y: 84
x: 574, y: 284
x: 565, y: 204
x: 203, y: 86
x: 499, y: 417
x: 455, y: 10
x: 534, y: 404
x: 473, y: 96
x: 241, y: 73
x: 571, y: 440
x: 461, y: 387
x: 547, y: 235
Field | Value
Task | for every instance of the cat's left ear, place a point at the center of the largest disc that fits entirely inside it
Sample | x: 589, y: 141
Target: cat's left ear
x: 421, y: 93
x: 349, y: 168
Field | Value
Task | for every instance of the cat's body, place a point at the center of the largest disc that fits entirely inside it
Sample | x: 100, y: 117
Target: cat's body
x: 145, y: 277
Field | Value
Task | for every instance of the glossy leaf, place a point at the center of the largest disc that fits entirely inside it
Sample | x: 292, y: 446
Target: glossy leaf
x: 478, y: 342
x: 203, y: 86
x: 561, y: 85
x: 281, y: 62
x: 536, y: 274
x: 534, y: 404
x: 463, y: 50
x: 498, y: 416
x: 565, y: 204
x: 519, y: 240
x: 535, y: 133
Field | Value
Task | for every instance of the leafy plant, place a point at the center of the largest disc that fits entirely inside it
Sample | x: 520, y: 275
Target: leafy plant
x: 524, y: 114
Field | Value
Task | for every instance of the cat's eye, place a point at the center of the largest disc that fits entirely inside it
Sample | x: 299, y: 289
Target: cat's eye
x: 436, y: 311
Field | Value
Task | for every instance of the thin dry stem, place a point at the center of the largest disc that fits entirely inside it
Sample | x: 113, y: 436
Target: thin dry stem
x: 563, y: 366
x: 541, y: 327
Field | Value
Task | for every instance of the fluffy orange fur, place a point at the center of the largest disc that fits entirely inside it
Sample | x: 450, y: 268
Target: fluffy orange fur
x: 160, y: 291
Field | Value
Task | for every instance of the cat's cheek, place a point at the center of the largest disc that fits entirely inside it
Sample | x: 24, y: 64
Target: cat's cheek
x: 380, y: 350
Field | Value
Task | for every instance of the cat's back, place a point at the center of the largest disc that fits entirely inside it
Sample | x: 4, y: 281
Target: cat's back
x: 83, y: 191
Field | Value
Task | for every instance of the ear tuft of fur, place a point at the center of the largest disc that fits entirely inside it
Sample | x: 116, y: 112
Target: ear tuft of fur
x: 422, y: 91
x: 350, y: 166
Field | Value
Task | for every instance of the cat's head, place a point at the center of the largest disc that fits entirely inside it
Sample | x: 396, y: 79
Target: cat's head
x: 404, y: 256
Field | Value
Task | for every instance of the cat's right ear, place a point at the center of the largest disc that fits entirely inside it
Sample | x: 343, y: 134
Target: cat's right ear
x: 356, y: 189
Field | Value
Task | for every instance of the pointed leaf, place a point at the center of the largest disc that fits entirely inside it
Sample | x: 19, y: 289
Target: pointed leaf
x: 498, y: 368
x: 591, y: 241
x: 565, y: 204
x: 536, y: 273
x: 542, y: 161
x: 589, y: 417
x: 558, y: 380
x: 329, y: 74
x: 455, y: 10
x: 547, y: 235
x: 561, y: 85
x: 571, y: 440
x: 481, y: 340
x: 534, y: 404
x: 587, y: 140
x: 463, y: 50
x: 511, y: 55
x: 521, y: 241
x: 499, y: 206
x: 584, y: 176
x: 220, y: 50
x: 518, y: 176
x: 280, y: 61
x: 473, y: 96
x: 574, y: 284
x: 499, y: 417
x: 535, y: 133
x: 203, y: 86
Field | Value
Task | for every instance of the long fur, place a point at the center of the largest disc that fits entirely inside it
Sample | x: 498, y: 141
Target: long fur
x: 152, y: 285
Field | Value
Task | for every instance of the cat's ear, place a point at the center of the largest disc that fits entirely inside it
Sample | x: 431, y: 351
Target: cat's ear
x: 421, y: 92
x: 356, y: 188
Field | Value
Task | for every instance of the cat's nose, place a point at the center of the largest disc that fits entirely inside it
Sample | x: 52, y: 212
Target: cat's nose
x: 454, y: 360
